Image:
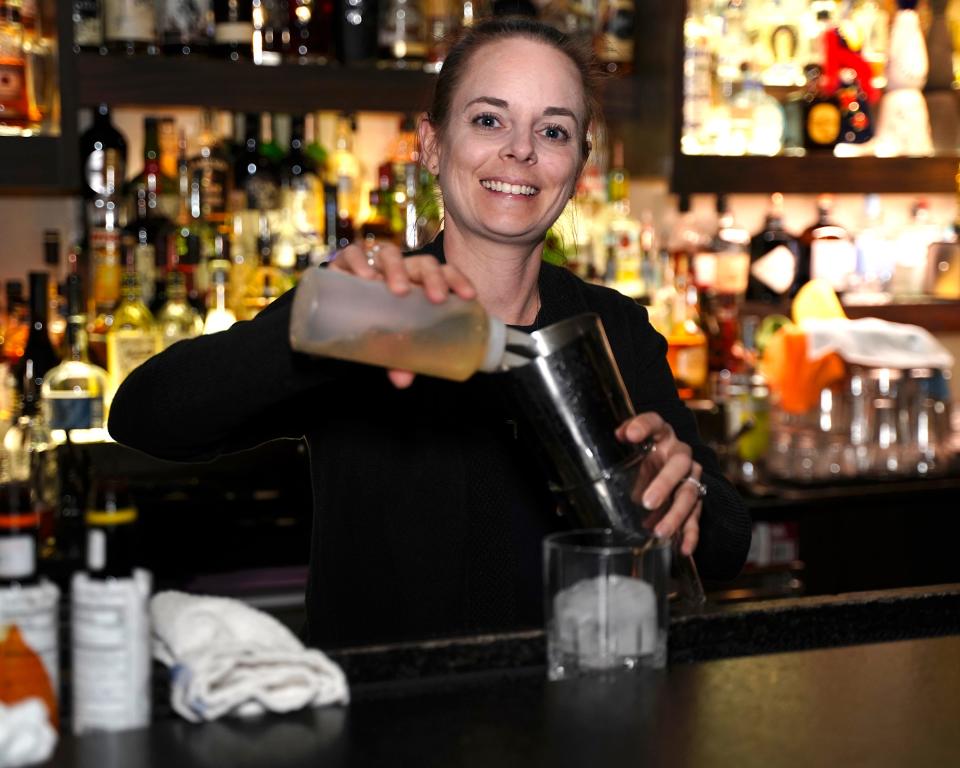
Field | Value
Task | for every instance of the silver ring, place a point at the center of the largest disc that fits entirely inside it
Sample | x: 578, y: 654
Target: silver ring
x: 372, y: 252
x: 701, y: 488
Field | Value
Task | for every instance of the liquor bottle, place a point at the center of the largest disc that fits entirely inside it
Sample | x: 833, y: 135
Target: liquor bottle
x: 104, y: 244
x: 151, y: 229
x: 255, y: 183
x: 16, y: 328
x: 73, y: 392
x: 440, y: 23
x: 210, y: 167
x: 29, y: 458
x: 379, y: 225
x: 270, y: 147
x: 192, y: 236
x: 301, y: 193
x: 111, y: 518
x: 19, y: 530
x: 184, y: 27
x: 731, y: 245
x: 267, y: 283
x: 130, y: 26
x: 103, y: 153
x: 686, y: 341
x: 401, y: 37
x: 826, y: 251
x: 57, y: 316
x: 177, y: 320
x: 773, y: 258
x: 312, y: 146
x: 614, y: 41
x: 233, y: 29
x: 623, y: 232
x: 355, y: 31
x: 87, y: 25
x: 821, y: 114
x: 856, y: 114
x: 345, y: 169
x: 16, y: 113
x: 38, y: 355
x: 274, y: 31
x: 219, y: 315
x: 876, y: 248
x: 132, y: 337
x: 311, y: 30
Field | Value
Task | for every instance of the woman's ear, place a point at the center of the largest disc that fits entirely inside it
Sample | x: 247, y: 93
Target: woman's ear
x: 429, y: 145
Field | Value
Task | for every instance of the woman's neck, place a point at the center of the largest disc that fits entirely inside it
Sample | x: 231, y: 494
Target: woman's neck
x: 505, y: 276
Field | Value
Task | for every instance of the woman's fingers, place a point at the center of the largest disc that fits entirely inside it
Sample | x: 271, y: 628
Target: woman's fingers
x: 401, y: 379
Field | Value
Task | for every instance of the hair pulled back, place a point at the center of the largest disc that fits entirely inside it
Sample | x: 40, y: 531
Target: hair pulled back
x: 504, y: 28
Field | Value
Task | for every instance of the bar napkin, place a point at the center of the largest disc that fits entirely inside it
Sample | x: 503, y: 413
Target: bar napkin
x: 26, y: 736
x: 227, y: 658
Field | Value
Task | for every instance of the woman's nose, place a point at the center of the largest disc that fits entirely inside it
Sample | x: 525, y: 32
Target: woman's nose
x: 519, y: 146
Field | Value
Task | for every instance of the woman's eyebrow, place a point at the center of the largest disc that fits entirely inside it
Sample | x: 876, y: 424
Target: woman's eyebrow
x: 488, y: 100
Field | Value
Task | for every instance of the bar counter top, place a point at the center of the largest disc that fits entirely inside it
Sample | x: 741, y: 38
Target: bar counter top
x: 865, y: 679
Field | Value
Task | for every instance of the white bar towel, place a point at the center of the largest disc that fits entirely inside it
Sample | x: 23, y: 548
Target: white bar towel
x: 227, y: 658
x: 26, y: 736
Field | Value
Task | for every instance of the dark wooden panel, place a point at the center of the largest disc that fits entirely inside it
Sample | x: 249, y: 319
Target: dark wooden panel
x: 936, y: 317
x: 243, y: 86
x: 813, y: 174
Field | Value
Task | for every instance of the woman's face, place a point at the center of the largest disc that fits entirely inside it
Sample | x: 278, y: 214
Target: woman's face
x: 509, y: 157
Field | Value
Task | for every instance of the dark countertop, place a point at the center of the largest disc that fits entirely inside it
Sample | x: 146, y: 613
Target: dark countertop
x: 718, y: 632
x: 877, y: 705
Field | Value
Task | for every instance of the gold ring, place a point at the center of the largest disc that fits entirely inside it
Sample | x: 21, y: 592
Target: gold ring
x: 701, y: 488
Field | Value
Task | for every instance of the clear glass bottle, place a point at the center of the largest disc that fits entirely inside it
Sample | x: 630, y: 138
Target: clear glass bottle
x: 622, y: 236
x: 177, y: 320
x: 301, y: 194
x: 184, y: 27
x: 132, y: 338
x: 73, y: 392
x: 219, y: 315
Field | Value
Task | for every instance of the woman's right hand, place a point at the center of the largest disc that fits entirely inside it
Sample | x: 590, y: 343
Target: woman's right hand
x: 385, y: 261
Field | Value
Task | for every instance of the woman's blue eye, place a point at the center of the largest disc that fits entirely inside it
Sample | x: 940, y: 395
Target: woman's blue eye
x: 556, y: 132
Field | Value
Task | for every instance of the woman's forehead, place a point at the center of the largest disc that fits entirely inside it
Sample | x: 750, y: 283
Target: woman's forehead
x: 521, y: 72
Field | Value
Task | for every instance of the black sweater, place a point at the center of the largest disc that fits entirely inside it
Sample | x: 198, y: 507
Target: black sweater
x: 428, y: 511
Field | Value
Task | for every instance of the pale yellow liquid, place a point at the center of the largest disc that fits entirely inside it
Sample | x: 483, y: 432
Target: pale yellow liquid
x: 452, y: 348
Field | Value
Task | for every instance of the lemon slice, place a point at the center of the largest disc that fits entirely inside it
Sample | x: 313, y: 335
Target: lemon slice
x: 816, y: 301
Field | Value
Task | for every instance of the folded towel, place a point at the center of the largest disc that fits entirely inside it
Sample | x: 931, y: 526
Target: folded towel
x: 229, y: 658
x: 26, y: 736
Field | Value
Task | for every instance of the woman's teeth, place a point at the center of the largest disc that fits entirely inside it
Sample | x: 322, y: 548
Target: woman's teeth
x: 512, y: 189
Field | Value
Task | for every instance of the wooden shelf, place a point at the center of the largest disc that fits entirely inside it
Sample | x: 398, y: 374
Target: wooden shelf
x: 935, y: 316
x: 245, y: 87
x: 813, y: 174
x: 34, y: 165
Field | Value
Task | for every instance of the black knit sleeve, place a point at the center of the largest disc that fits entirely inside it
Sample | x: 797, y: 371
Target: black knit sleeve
x: 219, y: 393
x: 725, y: 525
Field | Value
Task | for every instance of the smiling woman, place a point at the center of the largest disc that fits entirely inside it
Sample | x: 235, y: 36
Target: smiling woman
x: 430, y: 508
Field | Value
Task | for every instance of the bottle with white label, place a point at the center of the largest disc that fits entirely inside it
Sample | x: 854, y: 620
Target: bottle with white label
x: 826, y: 251
x: 773, y: 258
x: 19, y: 528
x: 110, y: 618
x: 132, y: 338
x: 130, y: 26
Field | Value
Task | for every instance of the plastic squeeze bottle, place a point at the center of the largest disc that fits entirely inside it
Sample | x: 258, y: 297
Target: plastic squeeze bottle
x: 343, y: 316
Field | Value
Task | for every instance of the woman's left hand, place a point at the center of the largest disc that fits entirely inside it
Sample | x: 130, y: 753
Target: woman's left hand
x: 674, y: 464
